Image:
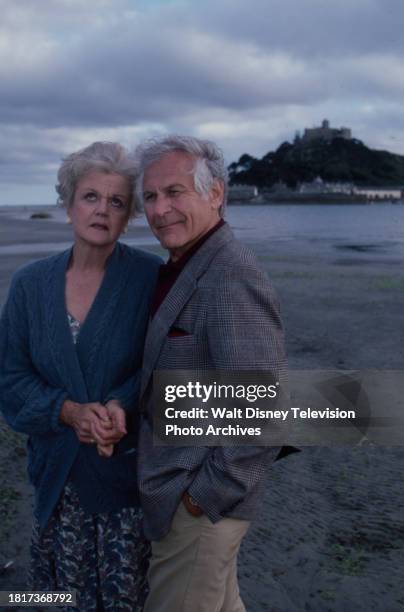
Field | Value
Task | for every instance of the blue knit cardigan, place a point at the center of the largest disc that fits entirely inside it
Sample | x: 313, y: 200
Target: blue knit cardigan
x: 40, y: 367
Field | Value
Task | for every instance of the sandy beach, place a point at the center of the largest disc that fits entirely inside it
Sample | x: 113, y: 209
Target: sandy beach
x: 330, y: 535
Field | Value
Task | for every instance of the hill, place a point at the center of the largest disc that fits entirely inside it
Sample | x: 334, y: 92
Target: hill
x: 339, y: 160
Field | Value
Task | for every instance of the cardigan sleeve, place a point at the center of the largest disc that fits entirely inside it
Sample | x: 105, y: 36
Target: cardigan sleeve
x: 27, y: 402
x: 127, y: 393
x: 245, y: 333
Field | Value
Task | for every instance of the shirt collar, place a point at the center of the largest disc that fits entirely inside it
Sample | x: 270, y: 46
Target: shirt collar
x: 180, y: 263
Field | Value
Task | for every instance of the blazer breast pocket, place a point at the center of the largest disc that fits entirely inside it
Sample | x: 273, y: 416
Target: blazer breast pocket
x: 178, y: 332
x: 179, y: 351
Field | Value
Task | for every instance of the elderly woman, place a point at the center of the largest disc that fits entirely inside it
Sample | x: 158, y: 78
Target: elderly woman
x: 71, y: 342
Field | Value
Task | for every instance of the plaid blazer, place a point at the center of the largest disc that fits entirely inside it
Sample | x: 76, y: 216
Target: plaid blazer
x: 226, y: 306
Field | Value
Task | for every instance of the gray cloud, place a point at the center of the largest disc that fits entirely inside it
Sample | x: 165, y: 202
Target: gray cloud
x: 310, y: 28
x: 248, y: 75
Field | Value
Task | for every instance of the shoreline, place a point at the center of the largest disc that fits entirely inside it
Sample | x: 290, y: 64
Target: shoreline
x: 330, y: 535
x: 312, y: 201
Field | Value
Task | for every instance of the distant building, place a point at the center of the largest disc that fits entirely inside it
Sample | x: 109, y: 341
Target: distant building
x: 379, y: 193
x: 325, y: 133
x: 279, y: 187
x: 318, y: 186
x: 242, y: 193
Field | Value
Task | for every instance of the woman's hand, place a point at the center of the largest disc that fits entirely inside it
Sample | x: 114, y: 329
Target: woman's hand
x: 96, y: 423
x: 90, y: 421
x: 118, y: 420
x: 117, y: 415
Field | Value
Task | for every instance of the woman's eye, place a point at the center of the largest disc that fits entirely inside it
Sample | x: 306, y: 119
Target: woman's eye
x: 118, y: 203
x: 90, y: 196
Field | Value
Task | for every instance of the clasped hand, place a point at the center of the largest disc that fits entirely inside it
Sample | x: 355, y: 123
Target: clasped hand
x: 96, y: 423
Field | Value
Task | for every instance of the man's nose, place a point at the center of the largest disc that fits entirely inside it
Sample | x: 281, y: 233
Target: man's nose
x: 162, y: 204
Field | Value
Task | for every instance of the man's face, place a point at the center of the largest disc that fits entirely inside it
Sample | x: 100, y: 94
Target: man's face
x: 177, y: 214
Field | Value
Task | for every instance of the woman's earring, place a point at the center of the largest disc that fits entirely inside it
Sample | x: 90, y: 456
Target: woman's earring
x: 125, y: 230
x: 68, y: 219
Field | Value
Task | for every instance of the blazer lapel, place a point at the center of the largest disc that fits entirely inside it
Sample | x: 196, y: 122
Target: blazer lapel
x: 177, y: 298
x: 162, y: 321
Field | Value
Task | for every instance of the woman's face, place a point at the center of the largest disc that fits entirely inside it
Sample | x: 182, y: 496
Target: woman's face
x: 100, y: 209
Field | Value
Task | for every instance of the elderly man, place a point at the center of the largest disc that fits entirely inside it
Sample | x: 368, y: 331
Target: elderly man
x: 213, y: 309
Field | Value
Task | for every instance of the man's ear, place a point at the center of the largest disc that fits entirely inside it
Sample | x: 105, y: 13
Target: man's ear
x: 216, y: 194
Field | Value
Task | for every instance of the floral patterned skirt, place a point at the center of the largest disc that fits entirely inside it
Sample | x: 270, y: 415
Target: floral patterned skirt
x: 104, y: 557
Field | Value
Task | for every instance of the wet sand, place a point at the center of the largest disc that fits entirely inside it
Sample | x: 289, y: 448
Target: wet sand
x: 330, y: 535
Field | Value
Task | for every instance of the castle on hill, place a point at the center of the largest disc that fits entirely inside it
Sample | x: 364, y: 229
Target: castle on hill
x: 324, y: 133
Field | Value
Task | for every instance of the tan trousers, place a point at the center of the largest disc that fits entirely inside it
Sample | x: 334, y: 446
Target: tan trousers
x: 194, y: 568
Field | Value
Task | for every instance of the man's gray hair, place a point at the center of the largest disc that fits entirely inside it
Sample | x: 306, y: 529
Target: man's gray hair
x: 108, y: 157
x: 209, y: 162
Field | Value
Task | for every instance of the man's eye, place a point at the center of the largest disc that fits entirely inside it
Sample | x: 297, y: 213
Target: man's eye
x: 174, y: 193
x: 149, y: 197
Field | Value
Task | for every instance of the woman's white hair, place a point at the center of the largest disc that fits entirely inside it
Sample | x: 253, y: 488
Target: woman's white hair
x: 108, y: 157
x: 209, y: 162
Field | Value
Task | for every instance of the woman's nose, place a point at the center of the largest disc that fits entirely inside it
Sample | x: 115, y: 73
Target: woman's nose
x: 102, y: 206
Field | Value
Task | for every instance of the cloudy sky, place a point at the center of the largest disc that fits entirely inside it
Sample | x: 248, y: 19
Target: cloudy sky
x: 247, y: 74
